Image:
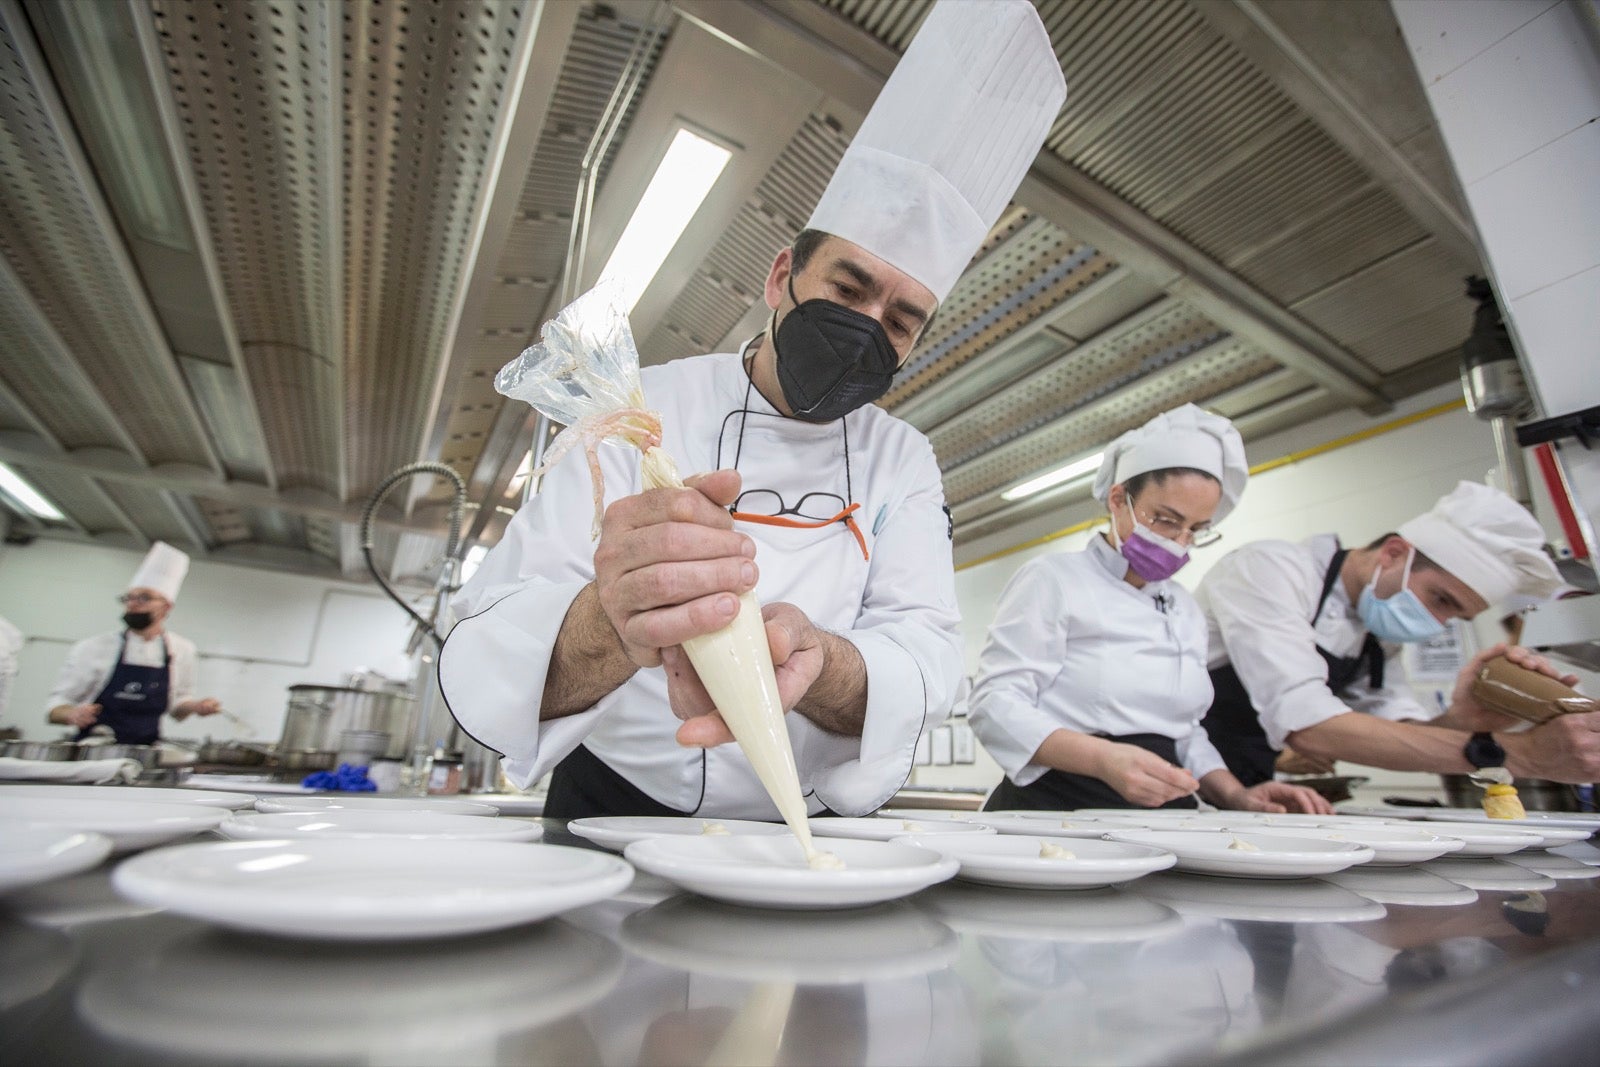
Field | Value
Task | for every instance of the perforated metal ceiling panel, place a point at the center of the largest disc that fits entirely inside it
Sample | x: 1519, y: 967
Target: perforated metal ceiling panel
x: 64, y: 259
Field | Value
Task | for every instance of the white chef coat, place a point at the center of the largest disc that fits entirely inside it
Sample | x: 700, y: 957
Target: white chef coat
x: 899, y: 610
x: 90, y: 662
x: 10, y: 655
x: 1259, y: 600
x: 1075, y: 647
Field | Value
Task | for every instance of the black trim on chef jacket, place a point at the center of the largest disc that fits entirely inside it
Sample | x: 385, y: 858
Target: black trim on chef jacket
x: 1062, y: 791
x: 1233, y: 722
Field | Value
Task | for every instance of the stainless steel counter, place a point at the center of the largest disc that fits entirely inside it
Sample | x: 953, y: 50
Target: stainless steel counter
x: 1174, y: 968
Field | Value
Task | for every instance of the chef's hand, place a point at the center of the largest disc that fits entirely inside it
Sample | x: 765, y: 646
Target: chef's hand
x: 1291, y: 762
x: 1565, y: 749
x: 797, y: 660
x: 1278, y: 797
x: 1467, y: 714
x: 670, y: 566
x: 208, y: 706
x: 1141, y: 777
x: 81, y: 715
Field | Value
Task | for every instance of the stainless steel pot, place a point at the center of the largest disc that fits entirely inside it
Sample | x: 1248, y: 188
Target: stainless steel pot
x: 1536, y: 794
x: 54, y: 751
x: 319, y: 715
x: 148, y: 756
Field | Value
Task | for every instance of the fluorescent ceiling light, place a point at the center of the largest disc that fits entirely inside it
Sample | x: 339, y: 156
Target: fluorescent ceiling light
x: 681, y: 184
x: 1066, y: 473
x: 18, y: 489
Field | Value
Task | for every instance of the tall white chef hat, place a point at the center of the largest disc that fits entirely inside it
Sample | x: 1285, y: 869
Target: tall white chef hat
x: 163, y: 570
x: 1488, y: 540
x: 1183, y: 437
x: 948, y: 140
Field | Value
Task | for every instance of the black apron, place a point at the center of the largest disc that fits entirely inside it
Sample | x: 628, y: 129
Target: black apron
x: 583, y: 786
x: 1063, y: 791
x: 1233, y: 723
x: 134, y: 699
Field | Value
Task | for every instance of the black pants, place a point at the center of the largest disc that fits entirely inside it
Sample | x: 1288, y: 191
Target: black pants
x: 1061, y: 791
x: 583, y: 786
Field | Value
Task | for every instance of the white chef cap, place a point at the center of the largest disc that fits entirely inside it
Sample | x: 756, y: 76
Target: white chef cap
x: 1183, y: 437
x: 163, y: 570
x: 948, y: 140
x: 1487, y: 540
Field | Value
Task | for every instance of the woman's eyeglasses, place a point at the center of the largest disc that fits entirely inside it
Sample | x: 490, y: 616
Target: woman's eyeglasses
x: 1173, y: 530
x: 811, y: 512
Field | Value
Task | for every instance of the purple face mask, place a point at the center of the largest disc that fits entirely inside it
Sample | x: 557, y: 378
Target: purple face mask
x: 1151, y: 556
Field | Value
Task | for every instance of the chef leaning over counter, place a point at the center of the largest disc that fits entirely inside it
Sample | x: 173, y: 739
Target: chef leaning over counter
x: 567, y: 654
x: 127, y: 679
x: 1305, y: 642
x: 1093, y: 682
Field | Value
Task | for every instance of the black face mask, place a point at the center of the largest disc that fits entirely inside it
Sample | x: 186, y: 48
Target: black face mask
x: 831, y: 360
x: 137, y: 620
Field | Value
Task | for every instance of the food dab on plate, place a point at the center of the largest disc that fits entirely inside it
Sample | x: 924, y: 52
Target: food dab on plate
x: 715, y: 829
x: 1047, y: 851
x: 1502, y: 802
x: 824, y: 861
x: 909, y: 826
x: 1239, y: 844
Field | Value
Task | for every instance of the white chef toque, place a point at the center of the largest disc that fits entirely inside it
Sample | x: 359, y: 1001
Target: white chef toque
x: 1183, y: 437
x: 163, y: 570
x: 1488, y: 540
x: 948, y: 141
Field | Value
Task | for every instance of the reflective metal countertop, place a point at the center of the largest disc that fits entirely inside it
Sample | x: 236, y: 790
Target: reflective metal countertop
x: 1174, y: 967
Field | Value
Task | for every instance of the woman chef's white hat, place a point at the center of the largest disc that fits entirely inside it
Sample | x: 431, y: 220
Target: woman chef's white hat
x: 1183, y: 437
x: 948, y: 140
x: 163, y: 570
x: 1487, y: 540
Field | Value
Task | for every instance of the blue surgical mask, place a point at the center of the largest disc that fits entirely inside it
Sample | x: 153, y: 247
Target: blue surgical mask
x: 1401, y: 617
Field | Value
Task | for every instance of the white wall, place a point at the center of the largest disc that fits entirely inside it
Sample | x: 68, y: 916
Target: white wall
x: 258, y: 632
x: 1358, y: 491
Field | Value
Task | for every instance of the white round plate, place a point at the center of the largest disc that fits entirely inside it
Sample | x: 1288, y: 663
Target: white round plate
x: 1490, y: 875
x: 356, y: 802
x: 413, y: 825
x: 1078, y: 829
x: 1015, y: 862
x: 1391, y: 845
x: 1289, y: 820
x: 1162, y: 815
x: 1556, y: 866
x: 771, y: 872
x: 31, y: 853
x: 1575, y: 820
x: 143, y: 794
x: 129, y: 824
x: 617, y: 832
x: 881, y: 943
x: 1304, y: 901
x: 1403, y: 885
x: 1211, y: 852
x: 510, y: 803
x: 928, y: 814
x: 1484, y: 840
x: 1092, y: 916
x: 876, y: 829
x: 358, y: 890
x: 1553, y: 832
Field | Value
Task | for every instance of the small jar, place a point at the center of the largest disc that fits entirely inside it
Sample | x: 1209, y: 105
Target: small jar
x: 445, y: 778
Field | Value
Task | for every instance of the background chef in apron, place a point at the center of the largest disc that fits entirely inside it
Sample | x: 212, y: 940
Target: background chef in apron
x: 829, y: 507
x: 127, y: 679
x: 1303, y: 636
x: 1093, y: 681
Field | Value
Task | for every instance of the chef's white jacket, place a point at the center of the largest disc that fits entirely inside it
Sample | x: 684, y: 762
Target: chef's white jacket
x: 1259, y: 600
x: 90, y: 662
x: 1075, y: 647
x: 10, y: 655
x: 899, y: 610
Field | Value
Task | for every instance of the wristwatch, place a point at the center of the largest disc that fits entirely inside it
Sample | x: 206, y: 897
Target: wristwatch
x: 1482, y: 750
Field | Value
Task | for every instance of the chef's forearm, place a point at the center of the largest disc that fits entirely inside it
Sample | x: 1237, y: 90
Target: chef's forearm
x: 837, y: 700
x: 588, y: 661
x: 1375, y: 742
x: 59, y: 713
x: 1072, y: 752
x: 1221, y: 789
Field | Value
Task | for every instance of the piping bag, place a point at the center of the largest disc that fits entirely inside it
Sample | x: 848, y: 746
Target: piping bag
x: 584, y: 374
